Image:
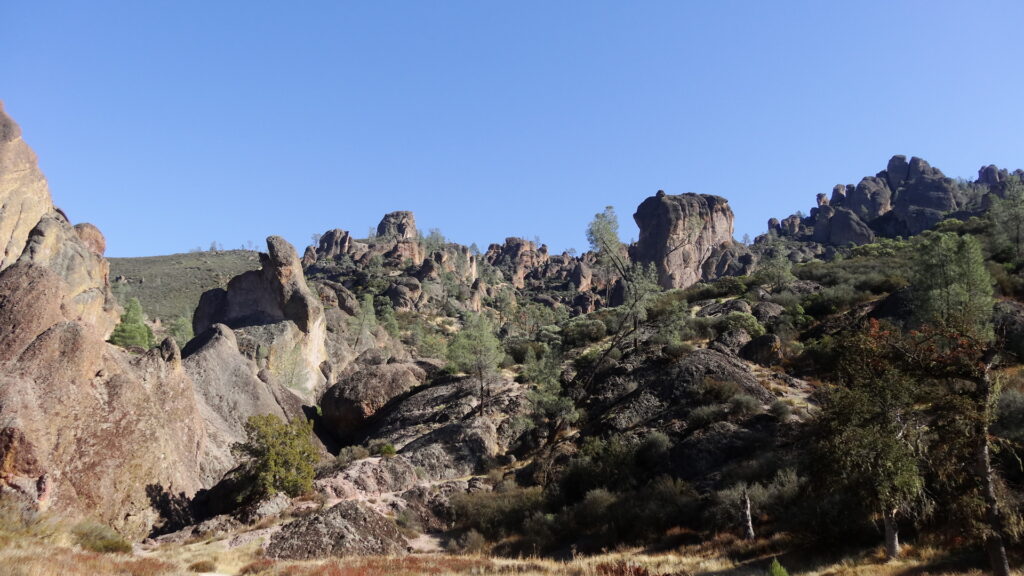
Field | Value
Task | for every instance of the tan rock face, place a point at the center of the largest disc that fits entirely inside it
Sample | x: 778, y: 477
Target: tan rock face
x: 679, y: 233
x: 399, y: 225
x: 32, y: 230
x: 24, y: 195
x: 56, y: 245
x: 229, y: 392
x: 98, y: 424
x: 280, y: 319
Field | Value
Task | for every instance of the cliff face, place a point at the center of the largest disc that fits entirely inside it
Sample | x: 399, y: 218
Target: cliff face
x: 85, y: 427
x: 680, y: 233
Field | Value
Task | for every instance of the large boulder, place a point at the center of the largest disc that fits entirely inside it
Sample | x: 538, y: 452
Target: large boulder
x: 399, y: 225
x: 679, y: 233
x: 278, y: 316
x: 346, y: 529
x: 360, y: 394
x: 230, y: 391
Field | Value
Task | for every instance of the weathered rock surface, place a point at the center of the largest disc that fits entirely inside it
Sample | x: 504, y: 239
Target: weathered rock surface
x: 279, y: 321
x: 518, y: 258
x: 346, y: 529
x: 765, y: 350
x: 903, y: 200
x: 97, y: 422
x: 678, y: 234
x: 400, y: 225
x: 24, y: 194
x: 229, y: 392
x: 359, y: 394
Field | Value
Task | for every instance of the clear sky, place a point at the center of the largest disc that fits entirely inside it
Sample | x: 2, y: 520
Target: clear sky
x: 171, y: 124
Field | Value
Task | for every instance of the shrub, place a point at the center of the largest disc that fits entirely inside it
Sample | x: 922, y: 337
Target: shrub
x: 705, y: 415
x: 781, y: 410
x: 277, y: 457
x: 745, y: 405
x: 203, y: 566
x: 350, y: 454
x: 496, y: 514
x: 715, y: 391
x: 472, y: 542
x: 381, y: 448
x: 100, y: 538
x: 584, y: 331
x: 740, y: 321
x: 653, y: 451
x: 776, y: 569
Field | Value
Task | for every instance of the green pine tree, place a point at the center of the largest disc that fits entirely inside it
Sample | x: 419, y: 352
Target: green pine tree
x: 477, y: 351
x: 277, y: 457
x: 133, y: 330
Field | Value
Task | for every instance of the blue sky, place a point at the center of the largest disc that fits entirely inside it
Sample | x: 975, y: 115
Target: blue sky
x: 171, y: 124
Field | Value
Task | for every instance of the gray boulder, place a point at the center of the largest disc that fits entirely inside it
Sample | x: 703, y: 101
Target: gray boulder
x: 346, y: 529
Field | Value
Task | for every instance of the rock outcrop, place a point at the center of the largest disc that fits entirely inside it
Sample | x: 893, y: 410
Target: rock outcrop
x: 345, y: 529
x: 229, y: 392
x: 85, y: 427
x: 905, y: 199
x: 680, y: 233
x: 359, y: 394
x: 278, y: 320
x: 24, y: 195
x: 517, y: 258
x: 399, y: 225
x: 99, y: 424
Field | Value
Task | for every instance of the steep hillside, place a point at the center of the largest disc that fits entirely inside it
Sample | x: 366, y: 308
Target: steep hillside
x: 169, y: 286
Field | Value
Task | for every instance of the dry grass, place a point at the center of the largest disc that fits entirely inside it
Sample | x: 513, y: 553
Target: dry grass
x: 42, y: 546
x: 61, y: 561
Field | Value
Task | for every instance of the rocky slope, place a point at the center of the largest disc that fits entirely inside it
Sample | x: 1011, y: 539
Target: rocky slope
x: 702, y: 388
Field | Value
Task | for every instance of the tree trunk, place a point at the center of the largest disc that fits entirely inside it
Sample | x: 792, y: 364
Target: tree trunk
x: 892, y: 533
x: 994, y: 542
x: 748, y: 520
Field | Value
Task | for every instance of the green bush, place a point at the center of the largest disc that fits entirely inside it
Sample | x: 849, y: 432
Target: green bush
x: 100, y: 538
x: 496, y: 514
x: 381, y: 448
x: 276, y: 457
x: 740, y: 321
x: 350, y: 454
x: 584, y: 330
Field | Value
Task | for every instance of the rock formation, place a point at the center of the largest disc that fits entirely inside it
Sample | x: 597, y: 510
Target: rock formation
x: 398, y: 225
x: 278, y: 320
x: 345, y: 529
x: 905, y: 199
x: 84, y: 426
x: 229, y: 390
x: 24, y: 195
x: 679, y: 233
x: 518, y: 258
